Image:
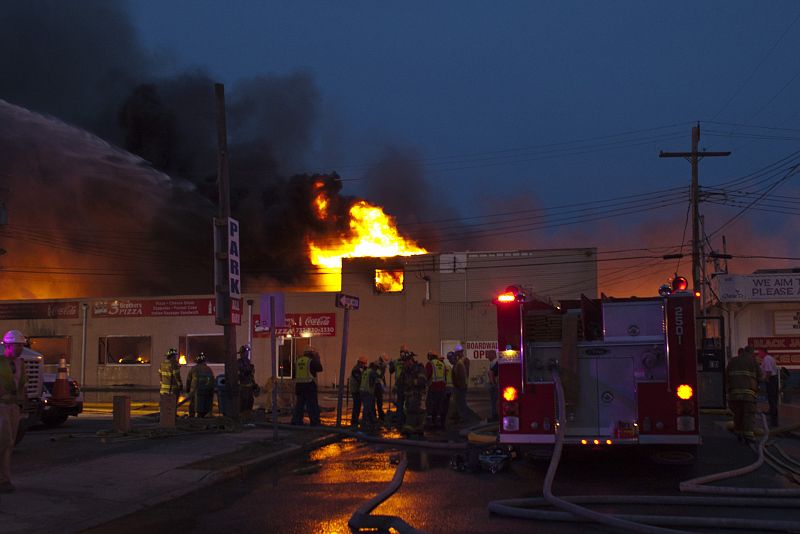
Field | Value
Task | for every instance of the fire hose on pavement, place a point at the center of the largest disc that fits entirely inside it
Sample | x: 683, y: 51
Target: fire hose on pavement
x: 574, y: 511
x: 362, y: 521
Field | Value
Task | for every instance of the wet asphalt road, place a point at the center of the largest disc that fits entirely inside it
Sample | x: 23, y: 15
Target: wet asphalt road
x: 318, y: 493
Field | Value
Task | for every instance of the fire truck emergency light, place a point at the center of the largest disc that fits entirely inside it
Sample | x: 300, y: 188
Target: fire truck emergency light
x: 685, y: 392
x: 680, y: 283
x: 511, y: 294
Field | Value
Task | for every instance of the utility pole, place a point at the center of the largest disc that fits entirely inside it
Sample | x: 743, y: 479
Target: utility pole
x: 221, y: 260
x: 694, y: 158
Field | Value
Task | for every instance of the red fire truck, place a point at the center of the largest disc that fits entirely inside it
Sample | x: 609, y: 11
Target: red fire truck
x: 627, y: 368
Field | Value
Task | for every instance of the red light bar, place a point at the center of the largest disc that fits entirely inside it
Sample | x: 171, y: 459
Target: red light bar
x: 506, y: 297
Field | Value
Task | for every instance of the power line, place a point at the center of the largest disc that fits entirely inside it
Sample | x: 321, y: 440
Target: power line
x: 788, y: 175
x: 513, y: 151
x: 758, y: 66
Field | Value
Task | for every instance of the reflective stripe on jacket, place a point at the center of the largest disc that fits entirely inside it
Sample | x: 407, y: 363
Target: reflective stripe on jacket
x: 439, y: 373
x: 170, y: 374
x: 367, y: 386
x: 743, y: 377
x: 303, y: 375
x: 200, y: 379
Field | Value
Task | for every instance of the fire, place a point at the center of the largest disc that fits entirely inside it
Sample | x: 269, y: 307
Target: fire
x: 388, y: 281
x: 321, y: 202
x: 372, y: 234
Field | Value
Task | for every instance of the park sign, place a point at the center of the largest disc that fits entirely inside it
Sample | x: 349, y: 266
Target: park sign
x: 772, y: 287
x: 348, y: 302
x: 227, y: 271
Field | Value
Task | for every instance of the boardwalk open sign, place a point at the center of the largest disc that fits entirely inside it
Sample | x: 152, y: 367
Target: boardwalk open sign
x: 347, y: 302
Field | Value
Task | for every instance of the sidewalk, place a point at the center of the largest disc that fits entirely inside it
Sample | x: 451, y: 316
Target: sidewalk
x: 109, y: 476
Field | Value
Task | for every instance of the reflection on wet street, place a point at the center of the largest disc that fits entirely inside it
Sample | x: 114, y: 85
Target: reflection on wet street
x: 319, y: 492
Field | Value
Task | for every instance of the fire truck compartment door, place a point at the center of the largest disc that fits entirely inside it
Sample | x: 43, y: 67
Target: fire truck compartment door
x: 606, y: 396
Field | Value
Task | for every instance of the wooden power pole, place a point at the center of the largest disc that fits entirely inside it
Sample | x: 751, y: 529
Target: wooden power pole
x: 694, y: 157
x: 221, y: 260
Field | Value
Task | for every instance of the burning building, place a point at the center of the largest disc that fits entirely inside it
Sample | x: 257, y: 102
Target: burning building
x: 108, y: 264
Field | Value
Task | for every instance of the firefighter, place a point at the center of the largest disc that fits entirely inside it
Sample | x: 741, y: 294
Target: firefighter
x: 170, y: 374
x: 460, y: 383
x: 413, y: 382
x: 247, y: 379
x: 436, y: 379
x: 305, y: 387
x: 380, y: 387
x: 444, y: 410
x: 200, y: 386
x: 396, y: 368
x: 12, y: 399
x: 743, y: 376
x: 369, y: 381
x: 354, y: 385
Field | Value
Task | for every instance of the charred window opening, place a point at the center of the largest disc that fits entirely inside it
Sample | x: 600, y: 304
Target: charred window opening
x: 211, y: 345
x: 388, y: 280
x: 124, y: 350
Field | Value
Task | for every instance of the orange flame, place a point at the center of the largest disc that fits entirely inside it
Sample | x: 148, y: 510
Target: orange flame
x: 321, y: 202
x: 372, y: 234
x: 388, y: 281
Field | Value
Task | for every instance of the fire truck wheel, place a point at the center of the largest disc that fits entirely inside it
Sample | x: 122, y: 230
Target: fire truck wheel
x: 53, y: 419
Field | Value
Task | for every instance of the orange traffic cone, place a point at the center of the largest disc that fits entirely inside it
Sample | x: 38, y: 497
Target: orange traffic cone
x: 61, y: 386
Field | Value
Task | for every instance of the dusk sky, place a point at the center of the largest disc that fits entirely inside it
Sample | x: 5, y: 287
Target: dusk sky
x: 477, y: 91
x: 518, y: 117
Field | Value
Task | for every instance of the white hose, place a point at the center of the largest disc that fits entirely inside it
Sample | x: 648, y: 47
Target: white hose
x: 697, y: 485
x: 521, y: 508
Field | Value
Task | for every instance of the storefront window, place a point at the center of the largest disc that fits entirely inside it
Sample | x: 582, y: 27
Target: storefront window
x: 213, y: 346
x: 124, y: 350
x: 53, y: 348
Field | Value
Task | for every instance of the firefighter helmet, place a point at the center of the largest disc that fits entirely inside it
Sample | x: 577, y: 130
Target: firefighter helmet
x: 201, y: 357
x: 172, y: 353
x: 14, y: 336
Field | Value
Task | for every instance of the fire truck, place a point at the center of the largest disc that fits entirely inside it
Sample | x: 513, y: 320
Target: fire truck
x: 627, y: 370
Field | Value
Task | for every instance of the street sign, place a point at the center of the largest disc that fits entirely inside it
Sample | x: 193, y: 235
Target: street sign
x: 348, y: 302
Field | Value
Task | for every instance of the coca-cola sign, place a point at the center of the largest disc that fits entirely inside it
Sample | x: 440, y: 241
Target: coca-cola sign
x: 300, y: 325
x: 39, y: 310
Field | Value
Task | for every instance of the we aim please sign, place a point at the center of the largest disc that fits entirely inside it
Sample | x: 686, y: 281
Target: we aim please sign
x: 759, y: 287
